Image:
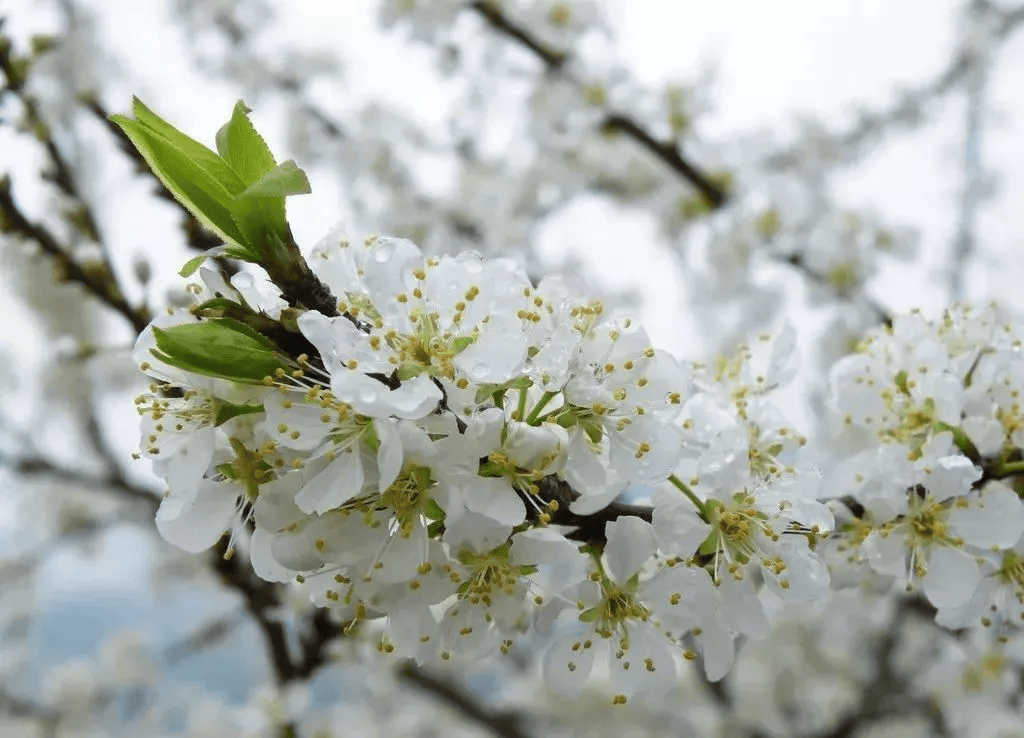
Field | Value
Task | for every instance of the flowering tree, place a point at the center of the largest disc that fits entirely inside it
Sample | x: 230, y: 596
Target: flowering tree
x: 422, y: 464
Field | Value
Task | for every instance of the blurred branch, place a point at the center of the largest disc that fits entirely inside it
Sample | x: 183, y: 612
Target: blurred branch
x: 491, y: 11
x: 21, y: 707
x: 973, y: 174
x: 797, y: 262
x: 15, y: 71
x: 502, y: 723
x: 886, y: 694
x: 98, y: 278
x: 98, y: 282
x: 667, y: 152
x: 35, y: 466
x: 206, y: 636
x: 908, y: 110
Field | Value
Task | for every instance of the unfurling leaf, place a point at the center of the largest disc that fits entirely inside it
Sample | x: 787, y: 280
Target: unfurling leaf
x: 220, y: 347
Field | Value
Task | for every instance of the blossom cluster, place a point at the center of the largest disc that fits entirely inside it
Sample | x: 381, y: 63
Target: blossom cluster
x: 443, y: 457
x: 929, y: 422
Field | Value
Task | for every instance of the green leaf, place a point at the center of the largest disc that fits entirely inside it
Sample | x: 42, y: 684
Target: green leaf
x: 242, y: 148
x: 201, y: 190
x: 237, y: 192
x: 226, y: 411
x: 433, y: 511
x: 219, y: 347
x: 233, y: 252
x: 283, y: 180
x: 193, y: 264
x: 262, y: 221
x: 205, y: 158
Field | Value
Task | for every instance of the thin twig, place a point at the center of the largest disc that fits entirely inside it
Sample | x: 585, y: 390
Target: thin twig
x: 99, y: 283
x: 554, y: 60
x: 36, y: 466
x: 971, y: 193
x: 502, y: 723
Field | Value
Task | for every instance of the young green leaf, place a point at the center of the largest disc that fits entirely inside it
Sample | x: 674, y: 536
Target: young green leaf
x: 201, y: 190
x: 226, y: 411
x: 243, y: 148
x: 205, y: 158
x: 220, y: 347
x: 283, y: 180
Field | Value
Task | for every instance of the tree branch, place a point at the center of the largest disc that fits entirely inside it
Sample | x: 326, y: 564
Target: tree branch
x: 34, y: 466
x: 99, y: 283
x: 555, y: 60
x: 502, y: 723
x: 971, y: 193
x: 885, y: 695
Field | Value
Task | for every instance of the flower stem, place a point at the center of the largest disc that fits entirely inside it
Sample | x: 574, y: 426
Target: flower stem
x: 960, y: 439
x: 522, y: 403
x: 535, y: 413
x: 1007, y: 469
x: 701, y: 508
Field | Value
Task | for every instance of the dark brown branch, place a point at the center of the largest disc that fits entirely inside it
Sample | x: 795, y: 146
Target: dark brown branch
x: 314, y: 643
x: 262, y: 601
x: 669, y: 154
x: 502, y: 723
x: 587, y: 528
x: 554, y: 60
x: 491, y: 12
x: 99, y: 284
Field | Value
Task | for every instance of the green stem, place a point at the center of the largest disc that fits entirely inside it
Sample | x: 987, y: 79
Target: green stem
x: 522, y: 403
x: 1007, y: 469
x: 701, y: 507
x: 535, y: 413
x: 960, y: 439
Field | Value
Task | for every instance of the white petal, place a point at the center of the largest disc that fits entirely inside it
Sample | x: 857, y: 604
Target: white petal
x: 559, y: 563
x: 952, y: 577
x: 887, y: 554
x: 630, y: 545
x: 986, y: 434
x: 951, y: 476
x: 741, y: 609
x: 339, y: 482
x: 651, y: 670
x: 567, y: 665
x: 411, y: 400
x: 994, y: 518
x: 197, y: 524
x: 496, y: 499
x: 389, y: 452
x: 680, y: 530
x: 261, y: 557
x: 716, y: 641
